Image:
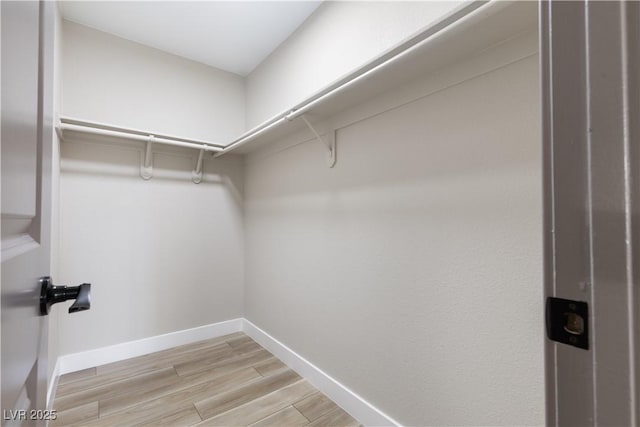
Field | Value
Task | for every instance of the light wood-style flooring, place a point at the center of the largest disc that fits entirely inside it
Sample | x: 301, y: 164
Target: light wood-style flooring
x: 226, y: 381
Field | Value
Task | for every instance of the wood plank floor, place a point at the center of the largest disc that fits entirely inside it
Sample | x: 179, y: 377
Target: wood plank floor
x: 226, y: 381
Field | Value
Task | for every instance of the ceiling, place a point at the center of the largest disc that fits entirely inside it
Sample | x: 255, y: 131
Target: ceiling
x: 234, y: 36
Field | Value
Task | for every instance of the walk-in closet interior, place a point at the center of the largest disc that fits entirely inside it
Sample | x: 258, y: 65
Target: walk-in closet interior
x: 363, y: 200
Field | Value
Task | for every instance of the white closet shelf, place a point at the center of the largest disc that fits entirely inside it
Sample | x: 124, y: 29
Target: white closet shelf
x: 68, y: 124
x: 463, y: 33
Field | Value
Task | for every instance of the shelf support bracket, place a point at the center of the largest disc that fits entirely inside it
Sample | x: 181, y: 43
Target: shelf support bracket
x: 196, y: 174
x: 329, y: 141
x: 146, y: 169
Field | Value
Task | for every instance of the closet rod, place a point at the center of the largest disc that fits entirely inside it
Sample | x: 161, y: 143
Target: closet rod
x: 135, y: 136
x: 387, y: 58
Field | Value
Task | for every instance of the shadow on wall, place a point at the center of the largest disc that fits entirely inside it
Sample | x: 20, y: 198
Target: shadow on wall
x: 112, y: 157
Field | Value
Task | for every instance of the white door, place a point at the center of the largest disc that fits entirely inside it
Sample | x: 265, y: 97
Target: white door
x: 27, y: 37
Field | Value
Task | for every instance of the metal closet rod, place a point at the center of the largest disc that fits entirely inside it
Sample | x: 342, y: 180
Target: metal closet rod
x: 91, y: 128
x: 343, y: 83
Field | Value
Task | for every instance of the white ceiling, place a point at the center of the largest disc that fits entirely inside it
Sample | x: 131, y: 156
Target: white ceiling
x: 231, y: 35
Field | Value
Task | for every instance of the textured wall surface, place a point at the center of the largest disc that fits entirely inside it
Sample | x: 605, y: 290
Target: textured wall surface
x: 338, y: 38
x: 411, y: 272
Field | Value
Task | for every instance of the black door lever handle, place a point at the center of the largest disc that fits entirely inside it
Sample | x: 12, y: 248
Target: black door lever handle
x: 51, y: 294
x: 83, y: 299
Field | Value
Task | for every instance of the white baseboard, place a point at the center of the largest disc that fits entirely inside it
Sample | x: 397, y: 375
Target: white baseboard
x: 356, y: 406
x: 113, y: 353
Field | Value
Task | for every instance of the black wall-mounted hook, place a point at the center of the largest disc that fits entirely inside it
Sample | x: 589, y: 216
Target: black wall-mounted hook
x: 51, y: 294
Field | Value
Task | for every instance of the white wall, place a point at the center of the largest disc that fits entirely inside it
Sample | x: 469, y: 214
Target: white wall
x: 116, y: 81
x: 337, y: 38
x: 162, y: 255
x: 412, y: 274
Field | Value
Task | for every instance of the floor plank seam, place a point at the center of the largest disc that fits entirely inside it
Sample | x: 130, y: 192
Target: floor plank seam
x: 300, y: 412
x: 263, y: 418
x: 197, y: 411
x: 214, y: 366
x: 248, y: 403
x: 177, y: 390
x: 297, y: 409
x: 108, y: 383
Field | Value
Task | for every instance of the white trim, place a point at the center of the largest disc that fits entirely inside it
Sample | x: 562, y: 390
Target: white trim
x: 113, y: 353
x: 53, y: 384
x: 355, y: 405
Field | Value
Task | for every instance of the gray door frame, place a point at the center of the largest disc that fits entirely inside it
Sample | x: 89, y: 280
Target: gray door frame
x: 590, y: 78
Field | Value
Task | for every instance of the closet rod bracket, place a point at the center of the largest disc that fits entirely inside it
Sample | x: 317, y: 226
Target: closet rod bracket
x: 328, y: 141
x: 196, y: 174
x: 146, y: 169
